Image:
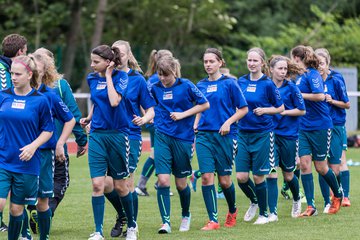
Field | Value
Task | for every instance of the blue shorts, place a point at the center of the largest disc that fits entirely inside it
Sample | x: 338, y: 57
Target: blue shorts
x: 135, y: 152
x: 336, y: 145
x: 286, y: 153
x: 109, y: 154
x: 46, y: 178
x: 23, y: 187
x: 344, y: 134
x: 315, y: 143
x: 215, y: 152
x: 172, y: 156
x: 256, y: 153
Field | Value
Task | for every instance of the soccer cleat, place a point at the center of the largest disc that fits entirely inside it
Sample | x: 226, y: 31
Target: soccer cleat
x: 220, y: 195
x: 25, y: 238
x: 81, y: 150
x: 34, y: 221
x: 3, y: 227
x: 273, y: 217
x: 310, y: 211
x: 326, y: 208
x: 302, y: 195
x: 231, y: 219
x: 296, y: 209
x: 119, y: 228
x: 335, y: 205
x: 193, y: 180
x: 141, y: 191
x: 345, y: 202
x: 185, y: 224
x: 211, y: 225
x: 132, y: 233
x: 171, y: 193
x: 165, y: 228
x: 251, y: 212
x: 286, y: 194
x: 96, y: 236
x: 261, y: 220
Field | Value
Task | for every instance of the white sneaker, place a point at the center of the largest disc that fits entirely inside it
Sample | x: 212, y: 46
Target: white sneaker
x: 261, y: 220
x: 326, y: 208
x: 132, y: 233
x: 273, y: 217
x: 96, y: 236
x: 25, y: 238
x: 296, y: 209
x: 165, y: 228
x: 185, y: 224
x: 251, y: 212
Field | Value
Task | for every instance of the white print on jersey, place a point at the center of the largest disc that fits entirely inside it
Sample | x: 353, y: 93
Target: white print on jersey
x: 168, y: 95
x: 212, y: 88
x: 251, y: 88
x: 325, y: 89
x: 316, y: 82
x: 101, y: 86
x: 18, y: 104
x: 298, y: 81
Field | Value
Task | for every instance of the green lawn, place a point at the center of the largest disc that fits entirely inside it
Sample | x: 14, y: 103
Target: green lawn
x: 74, y: 220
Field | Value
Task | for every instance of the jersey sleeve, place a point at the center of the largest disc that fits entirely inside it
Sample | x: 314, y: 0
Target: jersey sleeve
x: 274, y: 95
x: 68, y: 99
x: 297, y: 98
x: 196, y: 95
x: 237, y: 95
x: 120, y: 80
x: 316, y: 82
x: 60, y: 110
x: 146, y: 100
x: 46, y: 120
x: 340, y: 90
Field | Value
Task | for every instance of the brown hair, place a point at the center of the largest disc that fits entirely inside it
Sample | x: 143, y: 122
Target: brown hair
x: 153, y: 58
x: 323, y: 52
x: 50, y: 73
x: 108, y: 53
x: 133, y: 64
x: 293, y: 69
x: 167, y: 65
x: 306, y: 55
x: 29, y: 64
x: 12, y: 44
x: 265, y: 68
x: 217, y: 53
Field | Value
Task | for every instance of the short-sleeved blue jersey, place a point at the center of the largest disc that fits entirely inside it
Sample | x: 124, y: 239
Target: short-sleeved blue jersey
x: 106, y: 117
x: 288, y: 126
x: 22, y: 119
x: 260, y: 93
x: 317, y: 115
x: 137, y: 95
x: 181, y: 96
x: 335, y: 87
x: 224, y: 96
x: 59, y: 111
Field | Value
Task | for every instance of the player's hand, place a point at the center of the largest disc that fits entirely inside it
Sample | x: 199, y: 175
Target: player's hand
x: 27, y: 152
x: 225, y: 129
x: 259, y: 111
x: 83, y: 122
x: 328, y: 98
x: 87, y: 128
x: 176, y: 116
x: 110, y: 69
x: 139, y: 121
x: 81, y: 150
x: 60, y: 153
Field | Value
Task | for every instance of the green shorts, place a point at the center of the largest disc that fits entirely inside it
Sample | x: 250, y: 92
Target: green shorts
x: 46, y: 179
x: 286, y: 153
x: 336, y: 145
x: 315, y: 143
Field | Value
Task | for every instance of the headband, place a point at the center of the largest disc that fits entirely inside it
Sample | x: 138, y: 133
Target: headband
x: 24, y: 64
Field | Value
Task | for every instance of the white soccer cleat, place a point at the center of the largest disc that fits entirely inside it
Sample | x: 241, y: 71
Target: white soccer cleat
x: 273, y: 217
x: 96, y: 236
x: 251, y: 212
x: 165, y: 228
x: 185, y: 224
x: 132, y: 233
x: 296, y: 209
x: 327, y: 208
x: 261, y: 220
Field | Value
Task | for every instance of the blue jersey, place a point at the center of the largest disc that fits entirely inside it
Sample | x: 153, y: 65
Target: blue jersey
x: 22, y: 119
x: 106, y: 117
x: 224, y: 96
x: 152, y: 80
x: 335, y: 87
x: 317, y: 115
x: 178, y: 98
x: 5, y: 76
x: 261, y: 93
x: 59, y: 111
x: 137, y: 95
x: 288, y: 126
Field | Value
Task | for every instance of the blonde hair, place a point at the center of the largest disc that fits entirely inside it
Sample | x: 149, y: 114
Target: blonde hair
x: 132, y: 63
x: 293, y: 69
x: 323, y: 52
x: 50, y: 73
x: 45, y: 51
x: 168, y: 65
x: 30, y: 65
x: 261, y: 53
x: 154, y: 57
x: 307, y: 56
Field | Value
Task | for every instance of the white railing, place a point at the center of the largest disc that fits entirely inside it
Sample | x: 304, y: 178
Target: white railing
x: 84, y: 96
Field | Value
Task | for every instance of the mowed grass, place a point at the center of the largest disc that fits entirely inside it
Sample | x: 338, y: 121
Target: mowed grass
x: 74, y: 218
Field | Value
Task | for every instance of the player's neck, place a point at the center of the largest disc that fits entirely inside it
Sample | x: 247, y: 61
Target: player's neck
x: 23, y: 91
x: 215, y: 76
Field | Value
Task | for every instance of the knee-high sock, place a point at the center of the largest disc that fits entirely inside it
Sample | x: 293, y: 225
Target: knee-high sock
x: 210, y: 200
x: 98, y: 206
x: 229, y: 194
x: 294, y: 187
x: 273, y: 193
x: 15, y: 225
x: 127, y: 202
x: 331, y: 180
x: 25, y: 231
x: 114, y: 199
x: 135, y: 204
x: 308, y: 184
x: 261, y: 193
x: 325, y: 190
x: 345, y: 182
x: 249, y: 190
x: 44, y: 224
x: 185, y: 197
x: 163, y: 198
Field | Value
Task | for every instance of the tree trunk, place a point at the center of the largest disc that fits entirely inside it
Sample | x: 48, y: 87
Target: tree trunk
x: 72, y: 36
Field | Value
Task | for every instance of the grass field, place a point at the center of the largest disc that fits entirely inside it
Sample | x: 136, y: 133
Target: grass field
x: 74, y: 219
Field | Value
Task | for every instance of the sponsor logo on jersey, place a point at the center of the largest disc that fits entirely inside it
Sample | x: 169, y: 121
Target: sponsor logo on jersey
x: 168, y: 95
x: 251, y: 88
x: 211, y: 88
x: 18, y: 104
x: 101, y: 86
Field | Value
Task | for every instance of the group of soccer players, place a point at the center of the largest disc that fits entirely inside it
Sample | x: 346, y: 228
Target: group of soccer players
x: 282, y: 112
